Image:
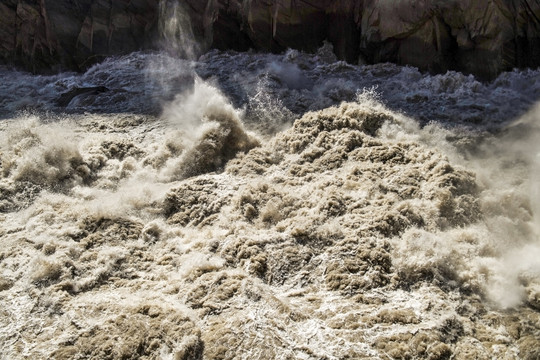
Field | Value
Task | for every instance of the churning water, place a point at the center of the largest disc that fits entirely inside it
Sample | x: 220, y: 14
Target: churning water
x: 255, y: 206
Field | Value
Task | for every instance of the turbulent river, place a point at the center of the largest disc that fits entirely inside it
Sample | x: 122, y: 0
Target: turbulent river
x: 256, y: 206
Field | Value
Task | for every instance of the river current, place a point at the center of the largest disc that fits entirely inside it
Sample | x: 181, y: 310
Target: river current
x: 259, y: 206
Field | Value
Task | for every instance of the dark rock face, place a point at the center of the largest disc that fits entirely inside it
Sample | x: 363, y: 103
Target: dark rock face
x: 50, y: 35
x: 483, y: 37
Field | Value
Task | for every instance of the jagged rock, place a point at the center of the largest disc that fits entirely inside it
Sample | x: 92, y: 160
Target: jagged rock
x: 47, y: 36
x: 478, y: 37
x: 473, y: 36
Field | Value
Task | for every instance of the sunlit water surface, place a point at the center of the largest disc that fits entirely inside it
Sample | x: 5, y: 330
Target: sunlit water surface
x: 255, y: 206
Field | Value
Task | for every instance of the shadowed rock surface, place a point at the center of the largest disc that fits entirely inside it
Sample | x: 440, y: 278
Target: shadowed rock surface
x: 47, y: 36
x: 479, y: 37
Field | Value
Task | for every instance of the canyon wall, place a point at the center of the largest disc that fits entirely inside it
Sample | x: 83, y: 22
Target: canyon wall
x: 478, y: 37
x: 53, y: 35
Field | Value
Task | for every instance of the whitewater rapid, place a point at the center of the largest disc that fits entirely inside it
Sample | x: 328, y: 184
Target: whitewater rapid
x: 257, y: 206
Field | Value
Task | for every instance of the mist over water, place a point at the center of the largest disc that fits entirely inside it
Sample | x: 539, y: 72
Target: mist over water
x: 177, y: 35
x: 257, y: 206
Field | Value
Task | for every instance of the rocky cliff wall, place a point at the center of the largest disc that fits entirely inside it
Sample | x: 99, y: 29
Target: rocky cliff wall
x: 480, y: 37
x: 50, y: 35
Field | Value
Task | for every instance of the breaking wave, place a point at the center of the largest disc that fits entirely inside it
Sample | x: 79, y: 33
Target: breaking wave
x: 255, y: 206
